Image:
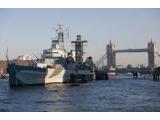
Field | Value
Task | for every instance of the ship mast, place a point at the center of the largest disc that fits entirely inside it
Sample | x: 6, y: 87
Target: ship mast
x: 79, y: 52
x: 60, y: 32
x: 60, y: 38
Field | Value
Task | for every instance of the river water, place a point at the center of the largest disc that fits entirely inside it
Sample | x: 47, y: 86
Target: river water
x: 118, y: 94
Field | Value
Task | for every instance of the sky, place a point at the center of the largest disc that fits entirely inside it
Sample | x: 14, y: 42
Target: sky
x: 29, y: 31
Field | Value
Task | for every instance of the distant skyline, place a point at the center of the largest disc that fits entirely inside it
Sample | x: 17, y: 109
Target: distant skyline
x: 29, y: 31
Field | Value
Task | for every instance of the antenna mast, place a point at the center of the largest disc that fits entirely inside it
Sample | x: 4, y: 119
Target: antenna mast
x: 79, y: 45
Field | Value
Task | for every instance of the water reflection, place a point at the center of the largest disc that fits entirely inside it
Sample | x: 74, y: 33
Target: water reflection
x: 120, y: 94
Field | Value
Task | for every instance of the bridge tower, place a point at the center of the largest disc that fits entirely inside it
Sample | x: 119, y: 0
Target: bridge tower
x: 111, y: 56
x: 151, y: 56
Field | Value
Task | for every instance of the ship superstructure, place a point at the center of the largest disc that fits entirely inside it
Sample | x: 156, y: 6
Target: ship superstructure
x: 57, y: 50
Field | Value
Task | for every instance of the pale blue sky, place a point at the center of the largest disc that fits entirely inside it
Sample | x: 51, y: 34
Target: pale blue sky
x: 30, y: 30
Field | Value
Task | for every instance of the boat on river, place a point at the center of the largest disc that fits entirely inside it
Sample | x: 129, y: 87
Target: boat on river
x: 55, y: 66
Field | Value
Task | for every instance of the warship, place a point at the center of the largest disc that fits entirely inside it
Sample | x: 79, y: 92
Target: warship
x: 55, y: 66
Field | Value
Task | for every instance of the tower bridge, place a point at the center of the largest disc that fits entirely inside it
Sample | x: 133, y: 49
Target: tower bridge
x: 110, y: 55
